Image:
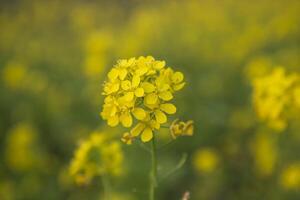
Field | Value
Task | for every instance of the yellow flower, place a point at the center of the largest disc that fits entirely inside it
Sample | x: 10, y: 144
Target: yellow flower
x: 96, y: 156
x: 206, y: 160
x: 273, y: 96
x: 14, y: 75
x: 180, y: 128
x: 19, y: 149
x: 138, y: 93
x: 127, y: 138
x: 264, y: 151
x: 290, y: 176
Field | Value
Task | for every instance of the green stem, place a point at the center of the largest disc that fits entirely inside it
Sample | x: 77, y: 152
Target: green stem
x: 153, y: 172
x: 106, y: 187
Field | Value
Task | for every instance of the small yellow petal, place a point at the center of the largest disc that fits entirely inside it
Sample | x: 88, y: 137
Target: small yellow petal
x: 126, y: 85
x: 160, y: 116
x: 179, y: 86
x: 113, y: 74
x: 159, y: 64
x: 139, y: 92
x: 154, y: 125
x: 189, y: 128
x: 135, y: 81
x: 139, y: 113
x: 136, y: 131
x: 147, y: 135
x: 127, y: 138
x: 148, y: 87
x: 151, y: 99
x: 141, y: 70
x: 126, y: 119
x: 122, y: 73
x: 177, y: 77
x: 168, y: 108
x: 113, y: 121
x: 129, y: 96
x: 166, y: 96
x: 114, y: 87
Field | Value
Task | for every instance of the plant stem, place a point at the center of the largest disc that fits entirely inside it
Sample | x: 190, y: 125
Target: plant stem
x: 106, y: 187
x: 153, y: 172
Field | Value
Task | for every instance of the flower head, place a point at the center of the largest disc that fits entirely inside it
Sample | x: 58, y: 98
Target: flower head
x: 206, y: 160
x: 274, y: 95
x: 180, y: 128
x: 96, y: 156
x: 138, y: 93
x: 290, y: 177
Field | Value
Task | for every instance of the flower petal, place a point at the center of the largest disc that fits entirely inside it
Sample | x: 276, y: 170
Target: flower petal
x: 159, y: 64
x: 179, y: 86
x: 126, y: 85
x: 136, y: 131
x: 160, y: 116
x: 139, y: 92
x: 151, y: 99
x: 147, y: 135
x: 126, y: 119
x: 168, y: 108
x: 135, y: 81
x: 129, y: 96
x: 166, y: 96
x: 113, y: 121
x: 122, y: 73
x: 177, y: 77
x: 139, y: 113
x: 148, y: 87
x: 113, y: 74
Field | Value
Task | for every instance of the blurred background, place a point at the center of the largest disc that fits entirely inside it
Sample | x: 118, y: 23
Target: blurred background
x: 54, y: 56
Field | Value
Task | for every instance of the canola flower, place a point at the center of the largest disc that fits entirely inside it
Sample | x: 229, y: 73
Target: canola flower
x: 96, y: 156
x: 205, y: 160
x: 13, y: 74
x: 181, y: 128
x: 265, y: 153
x: 138, y: 93
x: 290, y: 177
x: 274, y: 95
x: 20, y: 149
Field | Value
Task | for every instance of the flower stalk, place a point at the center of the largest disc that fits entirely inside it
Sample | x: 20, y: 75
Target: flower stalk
x: 153, y: 172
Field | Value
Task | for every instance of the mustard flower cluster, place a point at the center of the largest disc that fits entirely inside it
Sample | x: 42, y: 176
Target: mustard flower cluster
x: 275, y: 95
x: 96, y: 156
x: 138, y: 92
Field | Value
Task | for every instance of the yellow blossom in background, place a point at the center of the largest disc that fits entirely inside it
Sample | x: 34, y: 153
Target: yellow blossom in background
x: 264, y: 151
x: 13, y: 74
x: 97, y: 46
x: 274, y: 96
x: 20, y: 150
x: 96, y: 156
x: 290, y: 177
x: 180, y: 128
x: 138, y: 92
x: 205, y: 160
x: 258, y: 67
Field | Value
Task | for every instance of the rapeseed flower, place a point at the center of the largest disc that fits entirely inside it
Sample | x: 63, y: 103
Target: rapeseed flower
x: 180, y: 128
x: 290, y: 177
x: 138, y: 92
x: 265, y: 153
x: 205, y: 160
x: 96, y: 156
x: 274, y: 95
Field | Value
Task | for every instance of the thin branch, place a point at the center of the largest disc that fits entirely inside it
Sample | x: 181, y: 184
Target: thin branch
x: 177, y: 167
